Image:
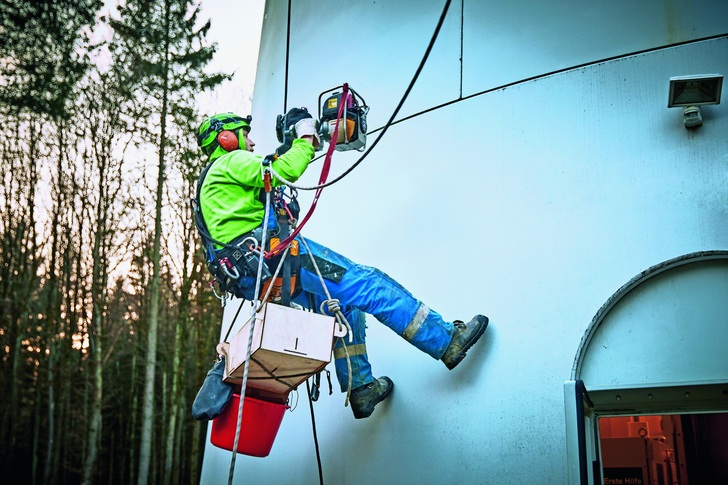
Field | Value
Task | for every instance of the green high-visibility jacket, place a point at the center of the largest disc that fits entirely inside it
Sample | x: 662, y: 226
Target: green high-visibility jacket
x: 230, y: 196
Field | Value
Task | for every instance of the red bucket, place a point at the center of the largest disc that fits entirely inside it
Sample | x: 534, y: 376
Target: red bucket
x: 261, y: 420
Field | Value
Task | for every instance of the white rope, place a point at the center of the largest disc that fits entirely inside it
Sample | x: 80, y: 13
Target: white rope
x: 254, y: 310
x: 333, y: 304
x: 334, y: 308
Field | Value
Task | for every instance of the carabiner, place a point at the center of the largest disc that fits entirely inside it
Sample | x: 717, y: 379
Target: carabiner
x: 223, y: 298
x: 227, y: 264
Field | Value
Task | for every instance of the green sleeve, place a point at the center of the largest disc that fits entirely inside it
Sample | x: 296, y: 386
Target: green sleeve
x: 294, y: 162
x: 230, y: 195
x: 244, y: 168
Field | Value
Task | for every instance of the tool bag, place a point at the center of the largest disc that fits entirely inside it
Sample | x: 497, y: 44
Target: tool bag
x: 214, y: 394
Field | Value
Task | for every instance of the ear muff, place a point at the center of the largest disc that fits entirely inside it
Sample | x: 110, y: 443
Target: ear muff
x: 228, y: 141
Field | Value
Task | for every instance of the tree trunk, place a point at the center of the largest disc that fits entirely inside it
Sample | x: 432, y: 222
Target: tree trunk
x: 51, y: 416
x: 36, y: 434
x: 148, y: 403
x: 53, y: 317
x: 94, y: 430
x: 174, y: 406
x: 95, y: 332
x: 133, y: 412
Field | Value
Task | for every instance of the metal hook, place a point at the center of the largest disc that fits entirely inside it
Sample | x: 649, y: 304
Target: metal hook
x: 227, y: 266
x: 223, y: 298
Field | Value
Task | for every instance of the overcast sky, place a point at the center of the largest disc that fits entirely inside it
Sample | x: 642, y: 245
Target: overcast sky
x: 235, y: 26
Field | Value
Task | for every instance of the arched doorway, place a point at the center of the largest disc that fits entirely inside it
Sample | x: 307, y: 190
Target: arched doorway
x: 651, y: 369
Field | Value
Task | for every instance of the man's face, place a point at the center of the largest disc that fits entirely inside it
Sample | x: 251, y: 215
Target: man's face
x: 249, y: 144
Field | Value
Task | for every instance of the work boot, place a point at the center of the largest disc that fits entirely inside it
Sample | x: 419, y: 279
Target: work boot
x: 364, y: 398
x: 466, y: 334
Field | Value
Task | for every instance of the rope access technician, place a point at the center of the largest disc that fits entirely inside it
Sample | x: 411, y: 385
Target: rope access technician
x: 231, y: 195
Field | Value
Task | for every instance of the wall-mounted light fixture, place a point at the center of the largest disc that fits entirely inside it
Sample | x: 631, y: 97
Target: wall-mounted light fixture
x: 689, y: 92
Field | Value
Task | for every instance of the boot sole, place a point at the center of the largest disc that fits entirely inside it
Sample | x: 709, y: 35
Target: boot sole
x: 458, y: 358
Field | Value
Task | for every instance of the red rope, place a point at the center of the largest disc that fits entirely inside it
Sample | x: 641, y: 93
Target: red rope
x: 322, y: 178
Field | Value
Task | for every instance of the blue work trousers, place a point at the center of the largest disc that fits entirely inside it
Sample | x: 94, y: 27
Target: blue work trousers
x: 363, y: 289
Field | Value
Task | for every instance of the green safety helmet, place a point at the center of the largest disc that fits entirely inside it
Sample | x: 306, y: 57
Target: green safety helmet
x: 208, y: 134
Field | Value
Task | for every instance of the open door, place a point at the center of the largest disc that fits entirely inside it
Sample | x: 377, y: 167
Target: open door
x: 654, y: 362
x: 667, y: 449
x: 580, y: 431
x: 672, y: 435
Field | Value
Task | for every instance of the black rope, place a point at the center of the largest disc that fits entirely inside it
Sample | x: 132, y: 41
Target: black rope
x: 273, y: 376
x: 401, y: 102
x: 462, y: 31
x: 288, y: 45
x: 233, y: 322
x: 315, y: 438
x: 384, y: 130
x: 503, y: 87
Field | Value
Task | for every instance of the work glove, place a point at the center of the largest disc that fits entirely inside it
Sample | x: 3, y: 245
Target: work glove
x: 285, y: 133
x: 307, y: 127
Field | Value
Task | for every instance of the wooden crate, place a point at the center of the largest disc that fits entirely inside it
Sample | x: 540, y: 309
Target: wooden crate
x: 289, y: 345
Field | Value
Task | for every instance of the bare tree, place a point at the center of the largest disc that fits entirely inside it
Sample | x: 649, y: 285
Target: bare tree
x: 164, y: 48
x: 102, y: 159
x: 78, y: 337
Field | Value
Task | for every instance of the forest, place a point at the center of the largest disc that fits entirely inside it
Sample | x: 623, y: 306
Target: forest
x: 108, y: 326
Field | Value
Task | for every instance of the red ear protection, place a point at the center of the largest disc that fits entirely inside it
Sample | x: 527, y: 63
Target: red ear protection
x: 228, y: 141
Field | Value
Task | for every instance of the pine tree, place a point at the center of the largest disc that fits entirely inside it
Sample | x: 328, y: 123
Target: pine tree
x: 39, y: 45
x: 162, y: 48
x: 43, y: 48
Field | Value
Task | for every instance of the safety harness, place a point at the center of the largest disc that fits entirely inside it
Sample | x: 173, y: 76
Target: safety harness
x: 234, y: 265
